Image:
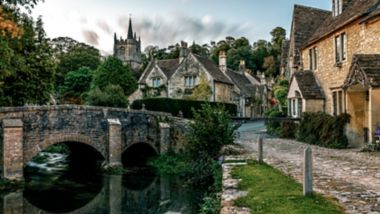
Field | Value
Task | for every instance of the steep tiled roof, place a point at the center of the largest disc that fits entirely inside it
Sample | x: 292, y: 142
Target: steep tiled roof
x: 242, y: 82
x: 308, y: 85
x: 285, y: 53
x: 365, y: 69
x: 146, y: 72
x: 214, y: 71
x: 355, y: 9
x: 168, y: 66
x: 306, y: 20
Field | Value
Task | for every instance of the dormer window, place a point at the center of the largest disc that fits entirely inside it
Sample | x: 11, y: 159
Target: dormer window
x: 337, y: 7
x: 156, y: 82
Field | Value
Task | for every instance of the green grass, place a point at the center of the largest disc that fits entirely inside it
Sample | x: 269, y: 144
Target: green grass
x: 270, y: 191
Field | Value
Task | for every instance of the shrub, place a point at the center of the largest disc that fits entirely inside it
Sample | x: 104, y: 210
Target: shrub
x: 274, y: 127
x: 324, y: 130
x: 112, y: 96
x: 174, y: 106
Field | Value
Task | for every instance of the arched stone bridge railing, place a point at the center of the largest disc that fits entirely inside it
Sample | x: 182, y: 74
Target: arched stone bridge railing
x: 25, y: 131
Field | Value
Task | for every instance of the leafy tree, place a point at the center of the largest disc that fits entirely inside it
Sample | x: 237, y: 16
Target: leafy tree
x: 261, y: 50
x: 111, y: 96
x: 234, y: 56
x: 71, y: 56
x: 209, y: 132
x: 200, y: 50
x: 280, y: 90
x: 77, y: 83
x: 30, y: 62
x: 203, y: 90
x: 113, y: 72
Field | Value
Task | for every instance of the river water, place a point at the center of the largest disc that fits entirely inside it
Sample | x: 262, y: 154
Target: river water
x: 54, y: 187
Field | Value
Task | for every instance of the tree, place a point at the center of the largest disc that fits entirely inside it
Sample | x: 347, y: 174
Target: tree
x: 31, y: 64
x: 113, y: 72
x: 234, y: 56
x: 111, y: 96
x: 71, y: 56
x: 261, y: 50
x: 280, y: 90
x: 76, y: 84
x: 203, y: 90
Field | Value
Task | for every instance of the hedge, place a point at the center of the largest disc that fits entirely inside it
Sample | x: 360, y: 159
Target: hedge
x: 174, y: 106
x: 324, y: 130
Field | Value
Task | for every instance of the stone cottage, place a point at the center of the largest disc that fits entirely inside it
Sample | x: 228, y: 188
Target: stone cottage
x: 340, y: 65
x: 177, y: 78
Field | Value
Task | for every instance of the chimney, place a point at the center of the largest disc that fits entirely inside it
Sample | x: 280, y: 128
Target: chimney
x: 263, y: 80
x: 242, y: 66
x: 183, y: 52
x: 222, y: 61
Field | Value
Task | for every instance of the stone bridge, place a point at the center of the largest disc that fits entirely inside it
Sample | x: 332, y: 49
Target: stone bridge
x: 25, y: 131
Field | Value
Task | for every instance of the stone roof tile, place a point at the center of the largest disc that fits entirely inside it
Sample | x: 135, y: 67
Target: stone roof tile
x: 308, y: 85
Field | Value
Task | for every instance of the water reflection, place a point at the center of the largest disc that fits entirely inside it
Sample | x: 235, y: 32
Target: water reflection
x: 143, y: 192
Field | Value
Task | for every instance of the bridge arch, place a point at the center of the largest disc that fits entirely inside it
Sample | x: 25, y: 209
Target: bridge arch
x: 137, y: 154
x: 62, y: 138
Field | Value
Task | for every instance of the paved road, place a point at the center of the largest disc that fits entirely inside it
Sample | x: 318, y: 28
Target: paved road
x: 350, y: 176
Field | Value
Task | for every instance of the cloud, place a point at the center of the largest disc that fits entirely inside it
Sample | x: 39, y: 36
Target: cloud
x: 172, y: 29
x: 104, y: 26
x: 91, y: 37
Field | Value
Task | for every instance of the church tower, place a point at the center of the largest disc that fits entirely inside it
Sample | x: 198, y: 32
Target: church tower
x: 128, y: 50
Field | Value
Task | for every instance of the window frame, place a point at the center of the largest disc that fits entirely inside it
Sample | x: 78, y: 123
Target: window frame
x: 156, y: 82
x: 338, y: 102
x: 190, y: 81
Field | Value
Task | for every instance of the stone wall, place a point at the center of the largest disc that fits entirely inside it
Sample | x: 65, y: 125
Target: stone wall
x: 223, y: 92
x: 312, y: 105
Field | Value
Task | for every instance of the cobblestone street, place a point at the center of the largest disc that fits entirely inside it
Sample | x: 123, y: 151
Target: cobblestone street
x: 350, y: 176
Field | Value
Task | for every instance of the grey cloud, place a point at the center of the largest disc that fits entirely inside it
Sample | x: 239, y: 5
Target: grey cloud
x: 91, y: 37
x: 104, y: 26
x: 164, y: 32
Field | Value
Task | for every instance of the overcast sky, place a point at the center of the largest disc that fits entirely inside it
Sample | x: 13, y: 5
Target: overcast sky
x: 165, y: 22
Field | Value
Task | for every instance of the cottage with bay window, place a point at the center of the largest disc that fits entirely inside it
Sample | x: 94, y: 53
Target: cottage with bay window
x: 339, y: 65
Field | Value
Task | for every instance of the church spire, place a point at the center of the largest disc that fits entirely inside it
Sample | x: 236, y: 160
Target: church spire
x: 130, y: 31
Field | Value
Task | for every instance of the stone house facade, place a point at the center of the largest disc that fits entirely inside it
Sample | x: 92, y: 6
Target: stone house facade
x: 343, y: 54
x: 128, y: 50
x: 177, y: 78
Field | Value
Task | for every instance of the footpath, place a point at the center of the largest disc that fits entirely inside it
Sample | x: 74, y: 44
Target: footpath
x: 351, y: 176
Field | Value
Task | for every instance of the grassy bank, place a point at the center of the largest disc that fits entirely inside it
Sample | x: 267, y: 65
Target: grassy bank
x: 270, y: 191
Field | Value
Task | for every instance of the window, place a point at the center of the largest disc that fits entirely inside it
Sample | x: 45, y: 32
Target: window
x: 337, y: 7
x: 190, y: 81
x: 338, y: 102
x: 340, y: 48
x: 343, y: 38
x: 313, y: 58
x: 156, y: 82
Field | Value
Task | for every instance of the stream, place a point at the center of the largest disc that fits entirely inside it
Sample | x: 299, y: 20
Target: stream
x: 53, y: 186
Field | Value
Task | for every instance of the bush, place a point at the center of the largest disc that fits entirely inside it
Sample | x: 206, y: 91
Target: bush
x: 324, y: 130
x: 274, y: 127
x: 112, y: 96
x: 174, y: 106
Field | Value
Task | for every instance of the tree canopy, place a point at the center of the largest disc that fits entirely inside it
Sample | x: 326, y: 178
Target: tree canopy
x: 28, y: 65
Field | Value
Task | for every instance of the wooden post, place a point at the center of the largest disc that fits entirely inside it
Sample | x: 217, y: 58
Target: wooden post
x: 308, y: 173
x: 260, y: 150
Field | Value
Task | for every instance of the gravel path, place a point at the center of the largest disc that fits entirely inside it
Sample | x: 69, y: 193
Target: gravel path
x: 350, y: 176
